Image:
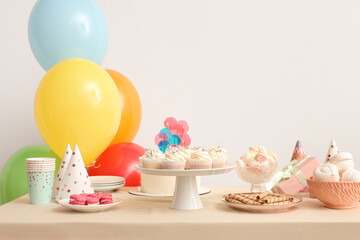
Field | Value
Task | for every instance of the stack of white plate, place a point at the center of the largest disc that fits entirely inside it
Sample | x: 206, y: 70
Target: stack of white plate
x: 106, y: 183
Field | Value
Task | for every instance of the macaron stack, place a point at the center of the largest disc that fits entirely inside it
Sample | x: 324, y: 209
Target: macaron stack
x: 91, y: 199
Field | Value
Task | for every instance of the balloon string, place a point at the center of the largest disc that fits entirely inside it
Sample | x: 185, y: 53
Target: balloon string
x: 93, y: 165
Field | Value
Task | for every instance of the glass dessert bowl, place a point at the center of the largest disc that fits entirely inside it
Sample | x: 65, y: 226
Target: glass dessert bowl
x: 257, y: 167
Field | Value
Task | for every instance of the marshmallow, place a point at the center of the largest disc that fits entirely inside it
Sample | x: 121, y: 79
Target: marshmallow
x: 342, y: 161
x: 327, y: 172
x: 351, y: 175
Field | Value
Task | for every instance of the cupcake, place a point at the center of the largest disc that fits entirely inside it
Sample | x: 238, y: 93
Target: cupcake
x: 152, y: 159
x: 200, y: 160
x: 174, y: 159
x: 219, y: 157
x: 186, y: 152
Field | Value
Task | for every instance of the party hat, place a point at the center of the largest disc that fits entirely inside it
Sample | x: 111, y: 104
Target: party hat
x: 76, y: 179
x: 298, y: 151
x: 333, y: 149
x: 61, y: 171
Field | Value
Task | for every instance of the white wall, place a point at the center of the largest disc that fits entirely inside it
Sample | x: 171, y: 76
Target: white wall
x: 240, y: 72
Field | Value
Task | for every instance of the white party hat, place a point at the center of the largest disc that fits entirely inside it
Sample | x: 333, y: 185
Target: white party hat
x: 76, y: 179
x: 333, y: 149
x: 61, y: 171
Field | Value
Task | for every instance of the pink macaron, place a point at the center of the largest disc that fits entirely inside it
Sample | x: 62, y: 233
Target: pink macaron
x: 92, y: 201
x: 77, y: 199
x: 106, y: 198
x: 96, y: 195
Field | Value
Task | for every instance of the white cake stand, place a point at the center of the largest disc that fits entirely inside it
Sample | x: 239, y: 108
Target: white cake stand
x: 186, y: 195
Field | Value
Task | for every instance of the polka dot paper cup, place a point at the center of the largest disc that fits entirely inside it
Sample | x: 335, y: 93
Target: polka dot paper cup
x: 40, y: 183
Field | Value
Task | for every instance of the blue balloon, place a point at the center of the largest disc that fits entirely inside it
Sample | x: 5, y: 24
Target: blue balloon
x: 174, y: 139
x: 163, y: 145
x: 166, y: 131
x: 63, y: 29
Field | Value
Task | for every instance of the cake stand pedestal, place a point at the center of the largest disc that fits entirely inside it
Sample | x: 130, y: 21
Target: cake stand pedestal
x: 186, y: 195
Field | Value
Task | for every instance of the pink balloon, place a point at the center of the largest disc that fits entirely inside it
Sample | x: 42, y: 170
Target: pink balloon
x: 184, y: 124
x: 177, y: 129
x: 185, y: 140
x: 161, y: 137
x: 169, y: 122
x: 175, y: 146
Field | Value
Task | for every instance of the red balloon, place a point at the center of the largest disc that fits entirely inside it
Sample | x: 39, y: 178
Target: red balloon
x: 119, y: 160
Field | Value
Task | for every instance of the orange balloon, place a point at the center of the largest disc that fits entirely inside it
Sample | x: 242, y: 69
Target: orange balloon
x: 131, y: 109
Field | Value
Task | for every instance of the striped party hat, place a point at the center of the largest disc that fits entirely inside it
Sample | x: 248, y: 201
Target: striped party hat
x: 298, y: 151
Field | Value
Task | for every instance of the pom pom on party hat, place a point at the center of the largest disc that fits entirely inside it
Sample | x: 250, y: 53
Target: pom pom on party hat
x: 62, y: 169
x: 76, y: 179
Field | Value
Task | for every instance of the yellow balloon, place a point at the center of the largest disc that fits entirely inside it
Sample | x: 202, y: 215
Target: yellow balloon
x: 77, y: 102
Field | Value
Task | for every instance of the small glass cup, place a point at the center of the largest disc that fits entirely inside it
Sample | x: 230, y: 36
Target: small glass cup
x: 256, y: 173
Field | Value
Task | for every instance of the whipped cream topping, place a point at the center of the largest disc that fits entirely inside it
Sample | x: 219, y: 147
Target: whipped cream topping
x: 218, y: 152
x: 174, y: 155
x: 152, y: 154
x: 186, y: 152
x: 197, y: 149
x: 201, y: 155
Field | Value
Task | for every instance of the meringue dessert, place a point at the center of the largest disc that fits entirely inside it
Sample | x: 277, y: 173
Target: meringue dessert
x: 338, y: 166
x: 327, y: 172
x: 342, y: 161
x: 351, y: 175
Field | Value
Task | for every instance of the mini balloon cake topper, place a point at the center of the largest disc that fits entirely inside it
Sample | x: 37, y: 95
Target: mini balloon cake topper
x: 174, y: 134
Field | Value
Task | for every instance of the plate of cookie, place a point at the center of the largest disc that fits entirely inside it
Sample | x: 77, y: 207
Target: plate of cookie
x: 265, y: 202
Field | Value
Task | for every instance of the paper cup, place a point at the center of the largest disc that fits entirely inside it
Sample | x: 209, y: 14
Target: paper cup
x: 40, y: 160
x: 40, y: 184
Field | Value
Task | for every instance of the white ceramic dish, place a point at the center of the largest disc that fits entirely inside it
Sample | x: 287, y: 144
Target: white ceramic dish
x: 186, y: 195
x: 263, y: 209
x: 107, y: 188
x: 187, y: 172
x: 89, y: 208
x: 202, y: 191
x: 106, y: 179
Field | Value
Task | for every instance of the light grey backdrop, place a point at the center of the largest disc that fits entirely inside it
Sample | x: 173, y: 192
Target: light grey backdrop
x: 240, y: 72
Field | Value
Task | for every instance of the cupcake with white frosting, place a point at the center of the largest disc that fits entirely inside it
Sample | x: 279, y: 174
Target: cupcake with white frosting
x: 152, y: 159
x: 174, y: 159
x: 186, y: 152
x: 219, y: 157
x: 200, y: 159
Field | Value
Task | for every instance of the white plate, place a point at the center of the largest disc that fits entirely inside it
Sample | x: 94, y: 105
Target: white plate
x: 107, y: 188
x: 187, y: 172
x: 108, y: 184
x: 261, y: 208
x: 89, y: 208
x: 106, y: 179
x: 203, y: 191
